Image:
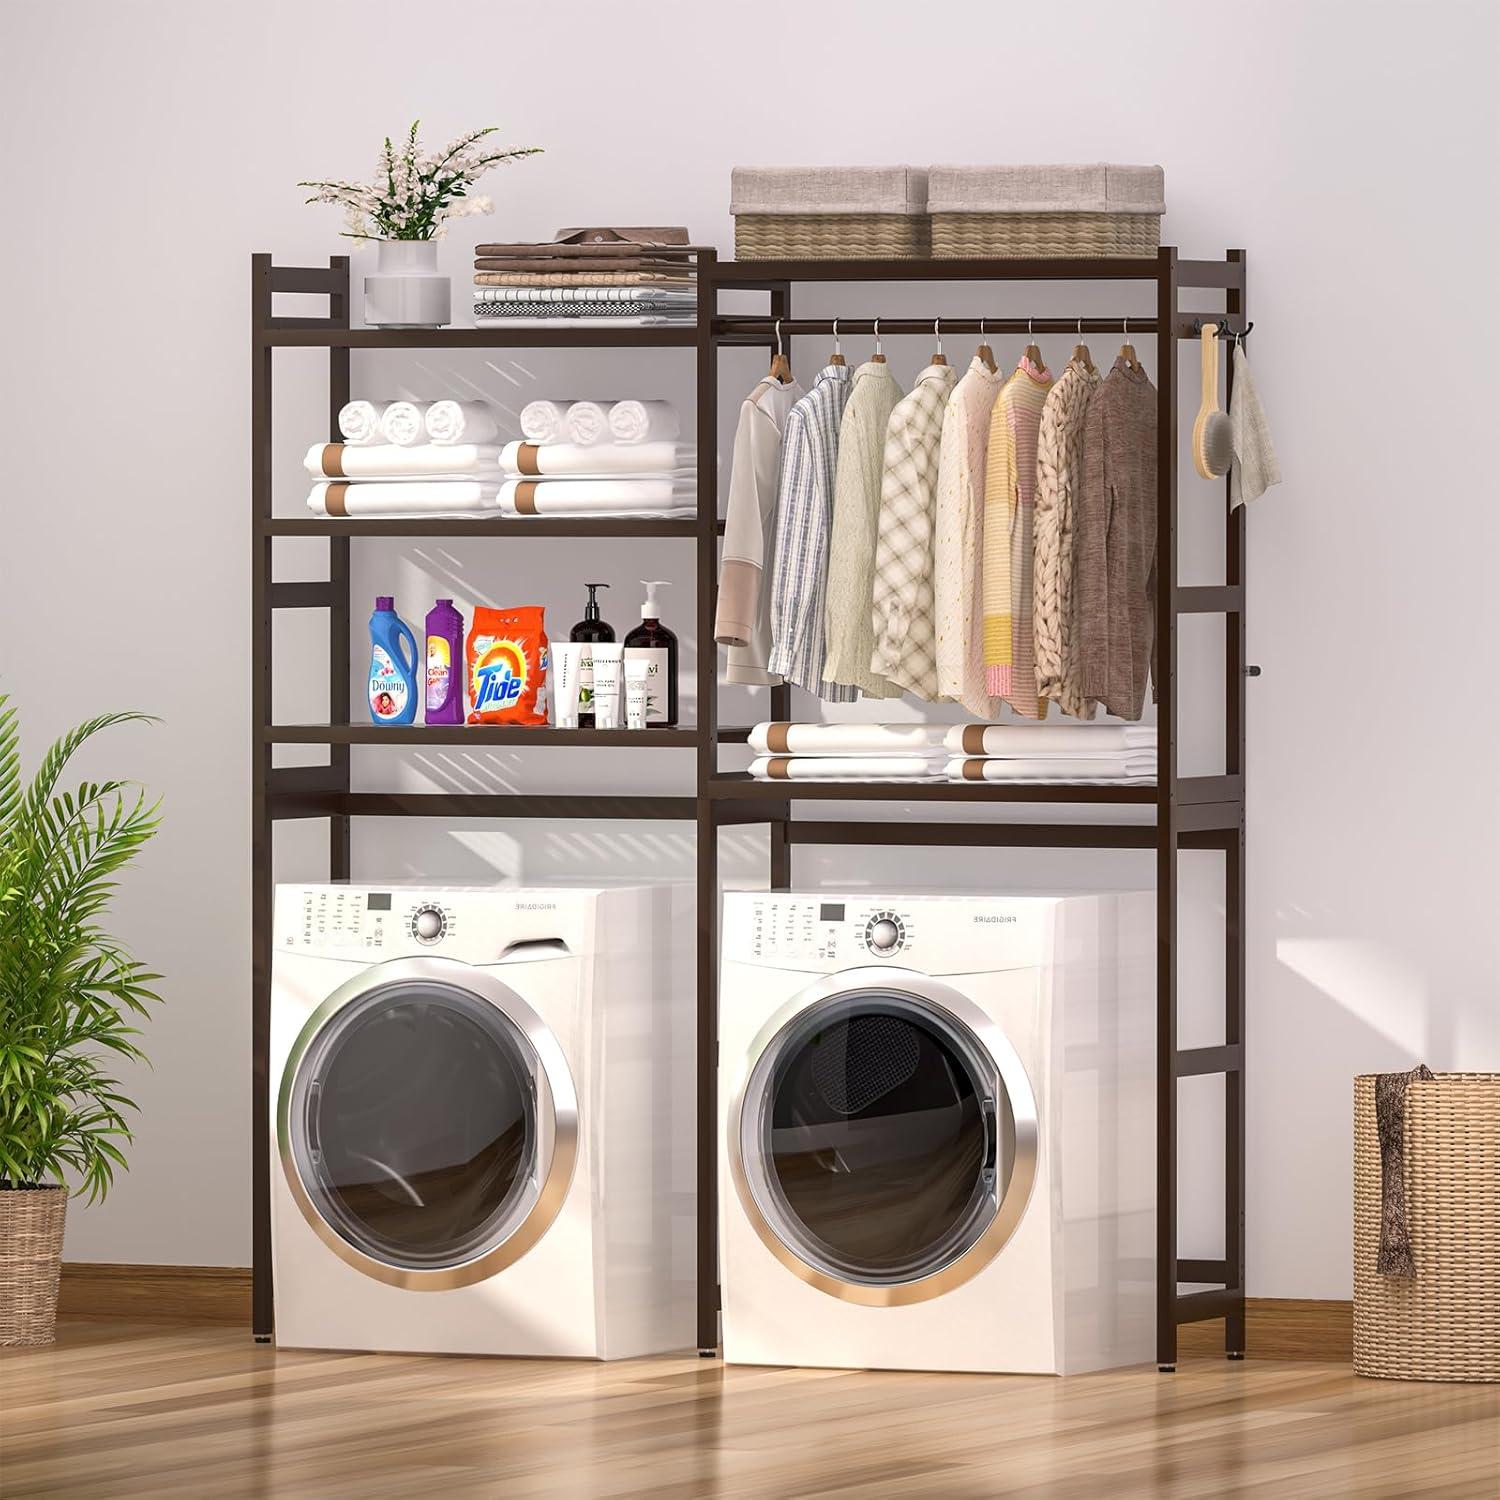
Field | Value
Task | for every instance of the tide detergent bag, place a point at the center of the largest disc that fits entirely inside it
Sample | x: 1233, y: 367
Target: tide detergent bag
x: 506, y: 655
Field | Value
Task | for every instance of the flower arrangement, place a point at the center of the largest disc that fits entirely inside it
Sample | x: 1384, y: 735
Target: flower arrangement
x: 414, y: 193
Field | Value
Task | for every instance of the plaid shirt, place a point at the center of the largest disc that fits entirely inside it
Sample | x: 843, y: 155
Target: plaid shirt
x: 804, y: 507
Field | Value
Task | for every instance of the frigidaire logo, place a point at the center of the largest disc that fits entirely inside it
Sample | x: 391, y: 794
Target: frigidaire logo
x: 984, y: 917
x: 536, y: 906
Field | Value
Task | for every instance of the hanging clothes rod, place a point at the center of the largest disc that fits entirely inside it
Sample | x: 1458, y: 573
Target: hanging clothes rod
x: 758, y: 328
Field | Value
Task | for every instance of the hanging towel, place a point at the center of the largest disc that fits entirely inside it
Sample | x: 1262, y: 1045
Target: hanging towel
x: 847, y: 768
x: 588, y: 421
x: 1059, y: 769
x: 644, y: 422
x: 404, y: 423
x: 629, y: 496
x: 848, y: 739
x: 544, y: 421
x: 386, y: 461
x: 1256, y: 467
x: 1394, y: 1256
x: 1036, y: 740
x: 462, y: 422
x: 403, y: 497
x: 594, y: 460
x: 359, y: 421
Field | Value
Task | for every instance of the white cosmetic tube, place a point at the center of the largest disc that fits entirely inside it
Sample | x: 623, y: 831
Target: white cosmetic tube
x: 567, y: 669
x: 607, y: 683
x: 637, y: 669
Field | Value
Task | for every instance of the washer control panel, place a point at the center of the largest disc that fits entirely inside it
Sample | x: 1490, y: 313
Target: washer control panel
x: 335, y: 919
x: 885, y: 933
x: 799, y: 928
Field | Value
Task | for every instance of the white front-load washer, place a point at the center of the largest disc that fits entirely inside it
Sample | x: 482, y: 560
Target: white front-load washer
x: 937, y: 1144
x: 481, y: 1104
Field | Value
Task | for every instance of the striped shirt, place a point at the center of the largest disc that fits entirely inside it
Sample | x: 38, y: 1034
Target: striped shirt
x: 804, y: 506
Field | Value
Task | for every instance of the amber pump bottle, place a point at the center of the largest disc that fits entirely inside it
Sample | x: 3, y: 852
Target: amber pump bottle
x: 653, y: 640
x: 590, y: 628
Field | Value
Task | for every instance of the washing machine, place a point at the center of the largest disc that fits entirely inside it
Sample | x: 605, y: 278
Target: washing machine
x: 482, y: 1127
x: 937, y: 1145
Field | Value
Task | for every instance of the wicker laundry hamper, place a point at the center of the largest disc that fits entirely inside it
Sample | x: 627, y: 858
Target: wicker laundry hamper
x: 1444, y: 1322
x: 829, y: 213
x: 1045, y: 212
x: 31, y: 1237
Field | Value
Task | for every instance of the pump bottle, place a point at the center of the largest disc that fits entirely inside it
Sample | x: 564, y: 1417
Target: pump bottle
x: 653, y: 640
x: 590, y: 628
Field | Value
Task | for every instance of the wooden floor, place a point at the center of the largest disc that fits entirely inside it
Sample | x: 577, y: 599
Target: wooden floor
x: 149, y: 1410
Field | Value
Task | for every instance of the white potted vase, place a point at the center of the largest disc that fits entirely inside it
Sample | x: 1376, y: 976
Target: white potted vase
x: 405, y: 289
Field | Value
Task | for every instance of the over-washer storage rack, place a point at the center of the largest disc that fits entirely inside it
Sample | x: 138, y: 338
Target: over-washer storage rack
x: 1206, y: 812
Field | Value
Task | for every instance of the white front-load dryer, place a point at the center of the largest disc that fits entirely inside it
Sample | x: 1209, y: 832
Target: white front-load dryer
x: 937, y: 1131
x: 481, y: 1105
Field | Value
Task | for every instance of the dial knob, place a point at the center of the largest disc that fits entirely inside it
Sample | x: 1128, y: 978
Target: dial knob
x: 884, y: 934
x: 427, y: 925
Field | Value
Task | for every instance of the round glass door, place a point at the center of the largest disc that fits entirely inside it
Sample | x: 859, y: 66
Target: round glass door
x: 878, y: 1140
x: 413, y: 1125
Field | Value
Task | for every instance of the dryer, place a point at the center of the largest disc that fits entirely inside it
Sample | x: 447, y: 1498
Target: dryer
x: 481, y: 1105
x: 937, y: 1142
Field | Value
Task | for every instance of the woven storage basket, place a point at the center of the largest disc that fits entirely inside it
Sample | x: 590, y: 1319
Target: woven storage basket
x: 1444, y: 1323
x: 829, y: 213
x: 1046, y: 213
x: 31, y: 1237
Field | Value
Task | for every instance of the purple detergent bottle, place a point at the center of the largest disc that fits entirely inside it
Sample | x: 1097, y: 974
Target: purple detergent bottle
x: 444, y: 702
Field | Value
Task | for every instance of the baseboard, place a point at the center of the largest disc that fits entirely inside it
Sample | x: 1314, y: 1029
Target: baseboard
x: 156, y: 1294
x: 1281, y: 1328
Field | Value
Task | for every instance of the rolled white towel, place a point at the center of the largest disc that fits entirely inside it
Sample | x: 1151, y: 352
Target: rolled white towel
x: 847, y: 739
x: 441, y: 497
x: 359, y: 421
x: 1048, y: 739
x: 462, y: 422
x: 386, y: 461
x: 553, y: 497
x: 544, y: 421
x: 592, y: 459
x: 847, y: 768
x: 404, y: 423
x: 643, y: 421
x: 588, y: 421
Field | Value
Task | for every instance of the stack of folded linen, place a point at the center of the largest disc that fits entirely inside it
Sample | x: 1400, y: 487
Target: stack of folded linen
x: 848, y: 752
x: 598, y: 479
x: 1053, y: 754
x: 627, y: 278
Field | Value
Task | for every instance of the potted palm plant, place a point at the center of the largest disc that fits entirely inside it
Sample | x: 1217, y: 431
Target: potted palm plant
x: 69, y: 997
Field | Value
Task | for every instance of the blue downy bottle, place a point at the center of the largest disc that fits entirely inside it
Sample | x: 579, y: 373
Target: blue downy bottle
x: 393, y: 666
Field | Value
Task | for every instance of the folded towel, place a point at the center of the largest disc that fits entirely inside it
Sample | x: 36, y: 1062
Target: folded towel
x: 847, y: 768
x: 462, y: 422
x: 386, y: 461
x: 1047, y: 739
x: 847, y: 739
x: 404, y: 423
x: 588, y: 421
x: 643, y: 421
x: 598, y: 460
x: 543, y: 319
x: 635, y: 497
x: 411, y: 497
x: 655, y: 280
x: 1061, y: 769
x: 544, y: 421
x: 359, y: 421
x: 664, y: 296
x: 1256, y: 467
x: 1394, y: 1256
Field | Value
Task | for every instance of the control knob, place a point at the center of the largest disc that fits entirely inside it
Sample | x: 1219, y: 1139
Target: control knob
x: 884, y: 933
x: 427, y: 924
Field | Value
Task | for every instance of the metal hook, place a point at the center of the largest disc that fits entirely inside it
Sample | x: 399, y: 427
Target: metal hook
x: 1030, y: 336
x: 1125, y: 326
x: 1080, y: 330
x: 937, y: 333
x: 877, y: 336
x: 837, y: 348
x: 779, y: 348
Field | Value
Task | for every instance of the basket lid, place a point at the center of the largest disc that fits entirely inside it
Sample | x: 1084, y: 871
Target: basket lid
x: 828, y: 190
x: 1090, y: 188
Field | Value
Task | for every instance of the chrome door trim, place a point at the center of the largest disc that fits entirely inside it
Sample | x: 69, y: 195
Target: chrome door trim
x: 556, y: 1114
x: 992, y: 1041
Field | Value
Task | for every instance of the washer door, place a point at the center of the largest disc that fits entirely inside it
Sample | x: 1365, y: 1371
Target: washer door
x: 884, y: 1143
x: 427, y: 1124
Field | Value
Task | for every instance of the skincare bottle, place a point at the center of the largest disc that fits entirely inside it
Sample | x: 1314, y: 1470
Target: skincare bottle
x: 589, y: 629
x: 658, y: 645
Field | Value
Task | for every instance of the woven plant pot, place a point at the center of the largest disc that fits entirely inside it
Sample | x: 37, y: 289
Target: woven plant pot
x: 1443, y: 1323
x: 31, y: 1240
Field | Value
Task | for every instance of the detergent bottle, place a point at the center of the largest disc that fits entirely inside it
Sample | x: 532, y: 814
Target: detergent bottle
x: 445, y: 665
x: 393, y: 666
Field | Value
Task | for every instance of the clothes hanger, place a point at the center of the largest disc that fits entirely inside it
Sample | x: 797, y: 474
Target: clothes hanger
x: 837, y: 357
x: 781, y: 368
x: 1031, y: 351
x: 984, y: 352
x: 877, y: 358
x: 937, y: 332
x: 1127, y: 349
x: 1081, y: 355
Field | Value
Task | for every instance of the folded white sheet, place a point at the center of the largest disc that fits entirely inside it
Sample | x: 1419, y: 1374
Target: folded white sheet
x: 598, y: 460
x: 1125, y: 770
x: 847, y: 768
x: 562, y: 295
x: 387, y: 461
x: 544, y: 421
x: 588, y: 421
x: 403, y: 497
x: 644, y: 422
x: 847, y: 739
x: 591, y: 320
x: 462, y: 422
x: 359, y: 421
x: 548, y: 497
x: 405, y: 423
x: 1047, y: 739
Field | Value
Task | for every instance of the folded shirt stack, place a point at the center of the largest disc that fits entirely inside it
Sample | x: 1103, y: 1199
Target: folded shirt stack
x: 1053, y: 754
x: 605, y: 278
x: 848, y: 752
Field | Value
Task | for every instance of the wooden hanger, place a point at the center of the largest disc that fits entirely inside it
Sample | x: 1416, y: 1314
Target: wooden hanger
x: 877, y: 358
x: 781, y: 367
x: 937, y: 332
x: 1031, y: 351
x: 837, y: 357
x: 984, y: 352
x: 1081, y: 355
x: 1127, y: 349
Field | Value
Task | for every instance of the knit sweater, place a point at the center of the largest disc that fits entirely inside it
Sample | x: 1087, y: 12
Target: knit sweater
x: 1114, y: 581
x: 856, y: 517
x: 1009, y: 497
x: 1058, y: 473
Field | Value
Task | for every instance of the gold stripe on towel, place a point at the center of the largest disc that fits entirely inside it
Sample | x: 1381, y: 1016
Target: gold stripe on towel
x: 526, y: 498
x: 973, y: 770
x: 776, y: 739
x: 973, y: 739
x: 527, y: 456
x: 333, y: 460
x: 776, y: 770
x: 333, y: 500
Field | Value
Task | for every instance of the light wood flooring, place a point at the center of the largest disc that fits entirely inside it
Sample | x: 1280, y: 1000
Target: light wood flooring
x: 116, y: 1409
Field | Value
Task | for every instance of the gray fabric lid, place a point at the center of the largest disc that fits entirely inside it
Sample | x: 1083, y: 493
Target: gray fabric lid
x: 828, y: 190
x: 1090, y: 188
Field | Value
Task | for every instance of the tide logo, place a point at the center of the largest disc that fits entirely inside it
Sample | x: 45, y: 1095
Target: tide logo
x: 499, y: 676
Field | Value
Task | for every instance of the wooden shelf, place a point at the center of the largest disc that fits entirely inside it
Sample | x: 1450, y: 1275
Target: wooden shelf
x: 315, y: 333
x: 741, y: 786
x: 477, y: 734
x: 753, y: 273
x: 500, y: 526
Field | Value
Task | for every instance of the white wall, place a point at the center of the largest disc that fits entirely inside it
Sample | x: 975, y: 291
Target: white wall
x: 1350, y: 147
